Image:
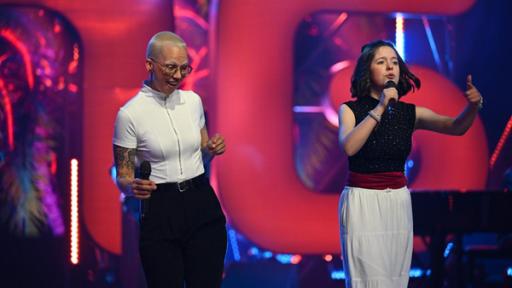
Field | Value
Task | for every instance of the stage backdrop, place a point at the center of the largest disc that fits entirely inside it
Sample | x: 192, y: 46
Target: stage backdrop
x: 253, y: 72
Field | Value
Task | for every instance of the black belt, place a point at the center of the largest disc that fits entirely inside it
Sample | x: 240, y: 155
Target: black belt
x: 184, y: 185
x: 177, y: 186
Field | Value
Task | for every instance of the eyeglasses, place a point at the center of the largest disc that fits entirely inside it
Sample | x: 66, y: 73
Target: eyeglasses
x: 171, y: 69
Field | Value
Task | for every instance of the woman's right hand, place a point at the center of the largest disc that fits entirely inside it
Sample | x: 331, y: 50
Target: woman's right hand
x: 141, y: 189
x: 386, y: 95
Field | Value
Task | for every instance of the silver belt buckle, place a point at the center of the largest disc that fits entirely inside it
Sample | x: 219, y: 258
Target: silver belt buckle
x: 182, y: 186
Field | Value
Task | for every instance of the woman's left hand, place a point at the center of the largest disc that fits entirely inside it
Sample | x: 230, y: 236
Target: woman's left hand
x: 216, y: 145
x: 472, y: 94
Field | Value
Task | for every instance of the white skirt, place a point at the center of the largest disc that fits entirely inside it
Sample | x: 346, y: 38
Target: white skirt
x: 376, y: 237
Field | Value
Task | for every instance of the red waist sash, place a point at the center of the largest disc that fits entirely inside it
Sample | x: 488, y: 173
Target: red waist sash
x: 381, y: 180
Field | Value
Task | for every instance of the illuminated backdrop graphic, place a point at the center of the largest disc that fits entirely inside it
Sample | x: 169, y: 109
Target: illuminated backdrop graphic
x: 40, y: 85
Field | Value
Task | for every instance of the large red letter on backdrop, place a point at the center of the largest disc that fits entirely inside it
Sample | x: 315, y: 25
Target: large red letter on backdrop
x: 261, y: 192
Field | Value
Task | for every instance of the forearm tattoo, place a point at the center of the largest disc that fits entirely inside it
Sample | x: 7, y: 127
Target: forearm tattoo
x: 124, y: 159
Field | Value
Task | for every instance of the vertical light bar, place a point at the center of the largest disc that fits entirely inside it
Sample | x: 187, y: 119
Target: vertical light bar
x: 234, y: 244
x: 432, y: 43
x: 501, y: 143
x: 399, y: 35
x: 74, y: 225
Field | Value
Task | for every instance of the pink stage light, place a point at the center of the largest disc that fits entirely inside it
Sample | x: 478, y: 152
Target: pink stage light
x: 9, y: 36
x: 501, y: 143
x: 6, y: 101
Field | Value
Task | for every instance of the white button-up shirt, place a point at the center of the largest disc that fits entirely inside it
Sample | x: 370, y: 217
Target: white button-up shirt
x: 166, y: 131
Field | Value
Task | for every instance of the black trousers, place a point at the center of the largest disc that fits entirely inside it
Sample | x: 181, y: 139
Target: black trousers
x: 183, y: 236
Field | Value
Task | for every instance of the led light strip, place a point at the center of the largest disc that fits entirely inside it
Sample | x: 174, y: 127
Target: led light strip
x: 501, y: 142
x: 399, y: 35
x: 74, y: 225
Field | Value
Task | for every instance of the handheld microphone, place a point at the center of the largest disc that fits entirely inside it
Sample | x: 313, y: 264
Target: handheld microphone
x: 144, y: 173
x: 392, y: 101
x: 145, y: 170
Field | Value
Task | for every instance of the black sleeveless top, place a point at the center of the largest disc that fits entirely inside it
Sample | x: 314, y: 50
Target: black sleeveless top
x: 390, y: 143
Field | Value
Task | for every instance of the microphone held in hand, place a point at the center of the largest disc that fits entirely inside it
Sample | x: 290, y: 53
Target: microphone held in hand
x: 392, y: 101
x: 145, y: 170
x: 144, y: 173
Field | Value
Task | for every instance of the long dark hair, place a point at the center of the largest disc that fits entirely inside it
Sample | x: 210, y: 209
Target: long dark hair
x: 361, y: 81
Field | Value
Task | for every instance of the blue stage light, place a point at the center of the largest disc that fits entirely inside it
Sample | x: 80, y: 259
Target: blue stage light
x: 338, y: 275
x: 448, y: 249
x: 234, y: 244
x: 284, y: 258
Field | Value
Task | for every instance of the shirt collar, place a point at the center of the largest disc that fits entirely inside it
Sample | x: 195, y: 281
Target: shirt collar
x: 174, y: 97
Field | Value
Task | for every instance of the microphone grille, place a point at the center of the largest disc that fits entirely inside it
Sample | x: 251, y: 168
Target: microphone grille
x: 390, y: 84
x: 145, y: 170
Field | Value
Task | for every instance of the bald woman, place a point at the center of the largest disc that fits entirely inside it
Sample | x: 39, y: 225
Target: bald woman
x: 182, y: 226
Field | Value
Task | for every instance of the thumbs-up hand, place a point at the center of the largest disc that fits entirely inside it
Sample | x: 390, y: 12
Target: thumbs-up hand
x: 472, y: 94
